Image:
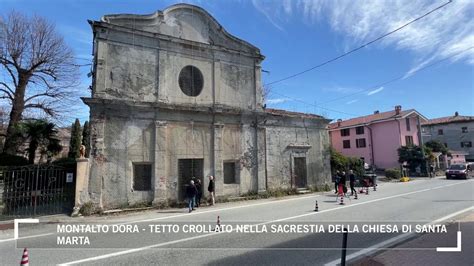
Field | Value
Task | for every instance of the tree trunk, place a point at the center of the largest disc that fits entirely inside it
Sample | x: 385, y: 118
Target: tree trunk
x: 18, y: 106
x: 32, y: 151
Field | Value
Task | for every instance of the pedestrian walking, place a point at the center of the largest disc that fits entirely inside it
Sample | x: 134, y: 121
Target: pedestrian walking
x: 342, y: 189
x: 191, y: 193
x: 336, y: 181
x: 199, y: 192
x: 212, y: 190
x: 352, y: 180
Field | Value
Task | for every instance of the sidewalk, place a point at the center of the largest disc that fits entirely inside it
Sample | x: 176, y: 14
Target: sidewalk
x: 430, y: 257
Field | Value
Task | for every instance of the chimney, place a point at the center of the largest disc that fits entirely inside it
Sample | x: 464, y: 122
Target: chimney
x: 376, y: 112
x: 456, y: 113
x: 339, y: 122
x: 398, y: 109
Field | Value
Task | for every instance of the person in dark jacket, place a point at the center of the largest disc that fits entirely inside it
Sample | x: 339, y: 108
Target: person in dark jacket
x: 342, y: 183
x: 191, y: 193
x: 352, y: 180
x: 212, y: 190
x: 199, y: 192
x: 336, y: 180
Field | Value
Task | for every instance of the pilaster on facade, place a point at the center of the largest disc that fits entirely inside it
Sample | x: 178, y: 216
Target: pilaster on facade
x: 160, y: 162
x: 218, y: 129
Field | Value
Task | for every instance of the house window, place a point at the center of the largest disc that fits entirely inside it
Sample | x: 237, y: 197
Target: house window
x: 346, y: 144
x: 360, y: 143
x: 408, y: 140
x: 141, y: 176
x: 423, y: 130
x: 229, y: 173
x: 466, y: 144
x: 464, y: 129
x: 440, y: 132
x: 407, y: 121
x: 360, y: 130
x: 345, y: 132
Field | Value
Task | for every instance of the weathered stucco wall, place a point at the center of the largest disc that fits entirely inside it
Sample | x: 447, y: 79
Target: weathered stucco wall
x: 286, y: 141
x: 139, y: 113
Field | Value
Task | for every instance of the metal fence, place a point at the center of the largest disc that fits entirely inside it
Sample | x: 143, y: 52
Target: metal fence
x: 36, y: 190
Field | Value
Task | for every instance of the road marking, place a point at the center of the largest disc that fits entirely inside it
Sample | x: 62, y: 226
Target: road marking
x: 393, y: 240
x: 22, y: 221
x: 452, y: 249
x: 184, y: 214
x: 203, y: 212
x: 114, y: 254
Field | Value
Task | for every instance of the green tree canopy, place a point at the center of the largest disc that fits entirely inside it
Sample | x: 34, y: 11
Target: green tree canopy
x: 339, y: 162
x: 413, y: 156
x: 42, y: 135
x: 437, y: 146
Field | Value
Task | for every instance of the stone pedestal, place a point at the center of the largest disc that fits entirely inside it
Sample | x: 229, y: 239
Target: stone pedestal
x: 82, y: 184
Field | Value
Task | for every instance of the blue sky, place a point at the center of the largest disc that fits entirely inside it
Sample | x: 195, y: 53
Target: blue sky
x: 299, y: 34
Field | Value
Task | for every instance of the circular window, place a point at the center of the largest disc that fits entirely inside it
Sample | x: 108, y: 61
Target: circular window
x: 191, y: 81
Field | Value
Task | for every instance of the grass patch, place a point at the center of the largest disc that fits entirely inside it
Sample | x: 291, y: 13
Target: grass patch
x: 87, y: 209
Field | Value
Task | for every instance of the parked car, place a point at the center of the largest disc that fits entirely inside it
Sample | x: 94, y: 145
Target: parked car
x: 459, y: 171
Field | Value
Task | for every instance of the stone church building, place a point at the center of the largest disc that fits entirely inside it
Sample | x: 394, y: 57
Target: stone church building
x: 176, y: 96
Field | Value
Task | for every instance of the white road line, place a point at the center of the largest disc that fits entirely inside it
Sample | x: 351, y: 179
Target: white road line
x: 194, y: 213
x: 22, y: 221
x: 105, y: 256
x: 184, y: 214
x: 394, y: 240
x: 25, y: 237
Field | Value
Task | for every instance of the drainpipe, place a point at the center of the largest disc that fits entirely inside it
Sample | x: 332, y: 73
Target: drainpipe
x: 213, y: 128
x: 399, y: 132
x: 371, y: 145
x: 266, y: 165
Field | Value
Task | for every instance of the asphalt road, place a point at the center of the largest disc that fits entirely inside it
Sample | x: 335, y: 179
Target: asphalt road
x: 416, y: 202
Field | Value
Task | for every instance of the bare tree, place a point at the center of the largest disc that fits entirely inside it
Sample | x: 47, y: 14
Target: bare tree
x: 39, y: 67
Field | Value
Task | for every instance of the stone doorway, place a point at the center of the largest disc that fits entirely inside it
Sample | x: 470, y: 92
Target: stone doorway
x: 299, y: 171
x: 188, y: 168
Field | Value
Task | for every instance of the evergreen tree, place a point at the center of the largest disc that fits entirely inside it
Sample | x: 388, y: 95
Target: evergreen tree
x: 86, y: 135
x: 75, y: 143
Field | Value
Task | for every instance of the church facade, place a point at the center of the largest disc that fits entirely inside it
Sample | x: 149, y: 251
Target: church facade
x: 175, y: 96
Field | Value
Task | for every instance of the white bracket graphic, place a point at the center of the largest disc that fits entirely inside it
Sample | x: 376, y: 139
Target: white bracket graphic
x: 451, y: 249
x: 22, y: 221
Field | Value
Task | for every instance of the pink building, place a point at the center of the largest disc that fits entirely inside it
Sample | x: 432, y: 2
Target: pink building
x: 375, y: 138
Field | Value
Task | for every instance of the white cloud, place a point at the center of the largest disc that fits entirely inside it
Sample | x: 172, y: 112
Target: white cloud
x: 372, y: 92
x: 353, y: 101
x: 266, y: 11
x: 443, y: 33
x: 277, y: 101
x: 340, y: 89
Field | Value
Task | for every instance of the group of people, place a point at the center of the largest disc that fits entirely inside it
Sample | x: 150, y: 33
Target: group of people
x: 340, y: 182
x: 194, y: 193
